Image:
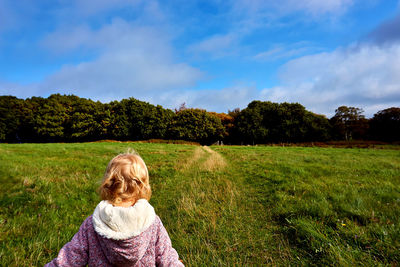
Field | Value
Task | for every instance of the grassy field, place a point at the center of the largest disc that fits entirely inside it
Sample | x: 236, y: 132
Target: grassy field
x: 222, y: 206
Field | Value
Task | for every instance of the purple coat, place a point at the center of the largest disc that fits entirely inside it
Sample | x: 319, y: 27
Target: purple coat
x: 104, y: 240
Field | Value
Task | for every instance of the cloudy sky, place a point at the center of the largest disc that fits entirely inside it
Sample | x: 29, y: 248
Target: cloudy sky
x: 216, y: 55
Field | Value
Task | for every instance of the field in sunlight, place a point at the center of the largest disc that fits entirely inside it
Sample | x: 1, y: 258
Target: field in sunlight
x: 221, y: 205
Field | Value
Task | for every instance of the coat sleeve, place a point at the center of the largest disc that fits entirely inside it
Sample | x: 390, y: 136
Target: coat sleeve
x: 166, y: 255
x: 75, y: 252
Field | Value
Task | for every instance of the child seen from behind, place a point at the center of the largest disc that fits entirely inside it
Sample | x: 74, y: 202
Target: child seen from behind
x: 124, y: 229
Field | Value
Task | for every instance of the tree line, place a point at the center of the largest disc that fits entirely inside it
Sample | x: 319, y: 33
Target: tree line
x: 69, y: 118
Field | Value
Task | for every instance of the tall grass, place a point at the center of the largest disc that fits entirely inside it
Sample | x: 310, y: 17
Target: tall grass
x: 221, y: 205
x: 332, y: 206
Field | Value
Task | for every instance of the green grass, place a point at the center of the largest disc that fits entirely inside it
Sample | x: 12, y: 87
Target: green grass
x: 222, y: 207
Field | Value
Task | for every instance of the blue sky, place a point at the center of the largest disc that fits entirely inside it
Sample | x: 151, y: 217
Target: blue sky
x: 216, y: 55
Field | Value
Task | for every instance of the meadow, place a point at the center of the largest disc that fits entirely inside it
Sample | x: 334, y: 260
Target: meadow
x: 221, y: 205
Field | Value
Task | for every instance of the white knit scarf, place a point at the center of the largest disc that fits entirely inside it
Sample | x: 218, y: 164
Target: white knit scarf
x: 120, y: 222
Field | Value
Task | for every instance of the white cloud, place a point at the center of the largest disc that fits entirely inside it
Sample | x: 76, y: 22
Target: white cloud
x: 319, y: 7
x: 363, y: 76
x: 216, y: 45
x: 74, y: 11
x: 219, y: 100
x: 68, y: 39
x: 18, y: 90
x: 117, y: 35
x: 92, y: 7
x: 130, y: 61
x: 273, y: 9
x: 245, y: 17
x: 120, y: 75
x: 282, y: 51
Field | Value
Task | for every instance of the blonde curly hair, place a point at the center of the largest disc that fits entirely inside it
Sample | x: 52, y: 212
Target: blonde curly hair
x: 126, y: 179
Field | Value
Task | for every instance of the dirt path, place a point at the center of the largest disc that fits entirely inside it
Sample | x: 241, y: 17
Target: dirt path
x: 204, y: 158
x: 214, y: 161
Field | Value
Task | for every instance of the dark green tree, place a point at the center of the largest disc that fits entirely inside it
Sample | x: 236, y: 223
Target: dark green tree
x: 250, y: 122
x: 267, y: 122
x: 292, y: 126
x: 348, y: 123
x: 196, y: 125
x: 119, y: 124
x: 385, y: 125
x: 318, y: 127
x: 10, y: 116
x: 89, y: 120
x: 46, y: 119
x: 137, y: 120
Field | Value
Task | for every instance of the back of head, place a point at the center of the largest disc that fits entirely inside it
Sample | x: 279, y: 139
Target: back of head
x: 126, y: 179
